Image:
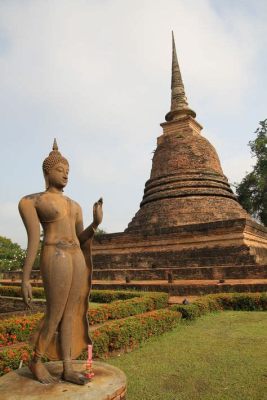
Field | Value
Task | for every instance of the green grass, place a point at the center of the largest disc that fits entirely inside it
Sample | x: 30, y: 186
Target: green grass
x: 219, y: 357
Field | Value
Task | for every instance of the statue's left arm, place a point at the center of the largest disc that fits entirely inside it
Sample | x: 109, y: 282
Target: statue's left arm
x: 88, y: 233
x: 31, y: 221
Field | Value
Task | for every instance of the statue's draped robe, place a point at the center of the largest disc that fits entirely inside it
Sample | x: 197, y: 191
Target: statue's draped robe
x: 80, y: 327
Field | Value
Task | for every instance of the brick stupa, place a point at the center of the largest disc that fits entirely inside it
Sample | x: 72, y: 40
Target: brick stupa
x: 189, y: 220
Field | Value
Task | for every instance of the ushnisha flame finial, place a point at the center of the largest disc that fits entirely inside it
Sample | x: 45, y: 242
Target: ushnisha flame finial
x: 55, y: 146
x: 179, y: 104
x: 54, y: 158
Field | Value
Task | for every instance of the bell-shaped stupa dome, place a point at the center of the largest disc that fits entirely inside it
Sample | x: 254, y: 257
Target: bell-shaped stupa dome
x: 187, y: 184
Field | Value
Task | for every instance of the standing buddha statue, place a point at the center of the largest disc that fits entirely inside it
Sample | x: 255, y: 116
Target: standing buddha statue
x: 66, y: 269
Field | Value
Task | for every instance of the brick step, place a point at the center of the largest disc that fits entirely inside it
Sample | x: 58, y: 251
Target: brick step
x: 197, y: 261
x: 181, y: 287
x: 187, y: 288
x: 17, y: 282
x: 218, y: 272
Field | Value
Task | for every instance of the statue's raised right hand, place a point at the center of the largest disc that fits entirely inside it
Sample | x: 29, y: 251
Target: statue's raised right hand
x: 98, y: 212
x: 26, y: 289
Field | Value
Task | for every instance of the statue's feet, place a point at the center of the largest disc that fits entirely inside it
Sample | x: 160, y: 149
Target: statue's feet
x: 40, y: 372
x: 74, y: 377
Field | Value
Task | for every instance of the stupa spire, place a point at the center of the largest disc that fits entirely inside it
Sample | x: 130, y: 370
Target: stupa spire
x: 179, y: 104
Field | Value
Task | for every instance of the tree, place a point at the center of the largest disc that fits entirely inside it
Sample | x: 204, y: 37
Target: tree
x: 100, y: 232
x: 252, y: 190
x: 11, y: 255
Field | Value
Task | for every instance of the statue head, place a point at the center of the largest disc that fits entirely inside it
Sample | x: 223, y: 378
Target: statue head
x: 55, y: 168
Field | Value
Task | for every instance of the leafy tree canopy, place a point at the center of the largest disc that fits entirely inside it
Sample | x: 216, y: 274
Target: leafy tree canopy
x: 11, y: 255
x: 252, y: 190
x: 100, y: 232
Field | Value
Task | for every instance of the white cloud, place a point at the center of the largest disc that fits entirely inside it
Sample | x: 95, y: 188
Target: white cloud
x: 95, y: 60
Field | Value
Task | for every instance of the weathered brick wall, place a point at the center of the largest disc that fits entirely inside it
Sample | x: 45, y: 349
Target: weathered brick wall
x: 199, y: 251
x: 182, y: 211
x: 180, y: 151
x: 187, y: 184
x: 192, y: 273
x: 234, y: 255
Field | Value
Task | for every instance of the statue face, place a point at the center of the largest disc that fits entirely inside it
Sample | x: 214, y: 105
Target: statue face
x: 58, y: 176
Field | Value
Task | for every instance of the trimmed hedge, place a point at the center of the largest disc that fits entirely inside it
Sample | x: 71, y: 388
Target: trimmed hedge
x: 242, y: 301
x: 15, y: 291
x: 189, y: 312
x: 130, y: 332
x: 17, y: 329
x: 120, y: 335
x: 222, y: 301
x: 107, y: 296
x: 11, y: 358
x: 121, y: 309
x: 96, y: 296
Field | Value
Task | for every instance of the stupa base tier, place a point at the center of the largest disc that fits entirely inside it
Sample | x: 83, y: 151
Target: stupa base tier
x: 188, y: 288
x: 224, y: 249
x: 189, y: 273
x: 172, y: 211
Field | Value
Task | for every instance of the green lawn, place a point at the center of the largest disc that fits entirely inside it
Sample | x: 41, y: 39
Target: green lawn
x: 219, y: 357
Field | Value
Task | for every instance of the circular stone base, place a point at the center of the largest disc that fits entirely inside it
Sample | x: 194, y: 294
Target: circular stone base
x: 109, y: 383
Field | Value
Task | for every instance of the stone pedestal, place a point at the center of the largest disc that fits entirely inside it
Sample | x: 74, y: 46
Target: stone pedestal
x: 109, y: 383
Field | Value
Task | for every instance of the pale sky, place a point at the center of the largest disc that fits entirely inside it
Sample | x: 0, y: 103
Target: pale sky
x: 96, y: 75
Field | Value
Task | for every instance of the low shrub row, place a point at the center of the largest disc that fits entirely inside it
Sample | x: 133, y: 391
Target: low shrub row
x: 125, y: 308
x: 123, y: 335
x: 17, y: 329
x: 96, y: 296
x: 10, y: 359
x: 107, y: 296
x: 15, y: 291
x: 131, y: 331
x: 242, y: 301
x: 222, y: 301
